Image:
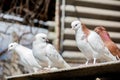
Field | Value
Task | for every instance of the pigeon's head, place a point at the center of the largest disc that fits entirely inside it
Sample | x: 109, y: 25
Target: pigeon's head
x: 99, y: 29
x: 76, y: 25
x: 41, y: 37
x: 12, y: 46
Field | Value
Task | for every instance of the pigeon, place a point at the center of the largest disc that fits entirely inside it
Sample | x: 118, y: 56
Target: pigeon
x: 43, y: 50
x: 38, y: 48
x: 82, y: 43
x: 26, y: 56
x: 108, y: 41
x: 92, y: 39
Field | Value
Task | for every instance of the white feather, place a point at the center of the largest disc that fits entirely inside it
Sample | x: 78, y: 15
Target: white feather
x: 97, y: 44
x: 82, y: 42
x: 55, y: 57
x: 92, y: 46
x: 40, y: 54
x: 25, y: 54
x: 42, y: 49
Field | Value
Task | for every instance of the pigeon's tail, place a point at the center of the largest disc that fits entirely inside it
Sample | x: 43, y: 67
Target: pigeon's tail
x: 117, y: 57
x: 110, y: 55
x: 118, y: 54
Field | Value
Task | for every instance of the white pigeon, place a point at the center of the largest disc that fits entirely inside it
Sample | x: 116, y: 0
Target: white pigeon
x: 92, y: 42
x: 41, y: 47
x: 26, y: 56
x: 39, y: 52
x: 82, y: 43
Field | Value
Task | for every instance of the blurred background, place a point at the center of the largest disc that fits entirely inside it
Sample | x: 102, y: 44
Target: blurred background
x: 20, y: 20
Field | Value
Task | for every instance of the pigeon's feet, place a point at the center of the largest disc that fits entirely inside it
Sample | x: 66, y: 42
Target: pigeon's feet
x: 87, y: 62
x: 47, y: 68
x: 54, y: 69
x: 94, y: 60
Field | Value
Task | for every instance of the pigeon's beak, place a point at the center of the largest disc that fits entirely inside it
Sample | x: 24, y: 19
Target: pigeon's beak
x: 8, y: 49
x: 96, y: 30
x: 47, y: 40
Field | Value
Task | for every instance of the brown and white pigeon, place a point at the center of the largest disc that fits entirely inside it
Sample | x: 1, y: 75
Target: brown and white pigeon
x: 108, y: 41
x: 89, y: 42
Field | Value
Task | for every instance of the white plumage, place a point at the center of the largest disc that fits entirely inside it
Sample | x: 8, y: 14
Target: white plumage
x: 82, y: 43
x: 42, y: 49
x: 90, y: 44
x: 26, y: 56
x: 39, y: 52
x: 55, y: 57
x: 97, y: 44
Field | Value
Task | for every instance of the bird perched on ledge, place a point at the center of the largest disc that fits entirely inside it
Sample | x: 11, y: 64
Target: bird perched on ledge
x: 108, y: 41
x: 39, y: 51
x: 26, y: 56
x: 82, y: 43
x: 89, y: 42
x: 45, y: 51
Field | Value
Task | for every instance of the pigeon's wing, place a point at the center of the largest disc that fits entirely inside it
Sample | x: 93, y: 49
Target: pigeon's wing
x: 28, y: 57
x: 31, y: 61
x: 52, y: 52
x: 96, y: 42
x: 55, y: 57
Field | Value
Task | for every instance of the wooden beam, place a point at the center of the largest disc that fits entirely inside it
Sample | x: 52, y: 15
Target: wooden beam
x: 107, y: 69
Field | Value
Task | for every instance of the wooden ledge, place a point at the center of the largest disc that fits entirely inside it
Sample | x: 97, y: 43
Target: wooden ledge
x: 91, y: 70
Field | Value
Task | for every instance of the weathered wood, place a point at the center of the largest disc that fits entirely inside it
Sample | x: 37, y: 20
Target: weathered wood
x: 70, y: 34
x: 87, y: 72
x: 74, y: 57
x: 88, y: 12
x: 105, y: 4
x: 93, y: 22
x: 57, y: 26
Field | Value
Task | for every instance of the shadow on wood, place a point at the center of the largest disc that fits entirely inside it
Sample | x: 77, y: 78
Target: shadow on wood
x: 84, y: 72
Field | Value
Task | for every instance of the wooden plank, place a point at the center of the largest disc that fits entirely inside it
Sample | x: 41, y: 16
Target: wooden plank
x: 72, y: 43
x: 107, y: 69
x: 96, y: 13
x: 74, y: 57
x: 57, y: 25
x: 105, y: 4
x: 92, y: 23
x: 70, y: 34
x: 89, y: 10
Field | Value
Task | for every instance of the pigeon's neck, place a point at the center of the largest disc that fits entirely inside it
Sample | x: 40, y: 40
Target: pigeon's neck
x: 42, y: 44
x: 18, y: 50
x: 79, y: 33
x: 85, y: 30
x: 79, y: 30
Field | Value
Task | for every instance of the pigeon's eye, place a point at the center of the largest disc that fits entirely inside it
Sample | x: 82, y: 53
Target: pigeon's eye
x: 11, y: 46
x: 43, y: 38
x: 76, y: 24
